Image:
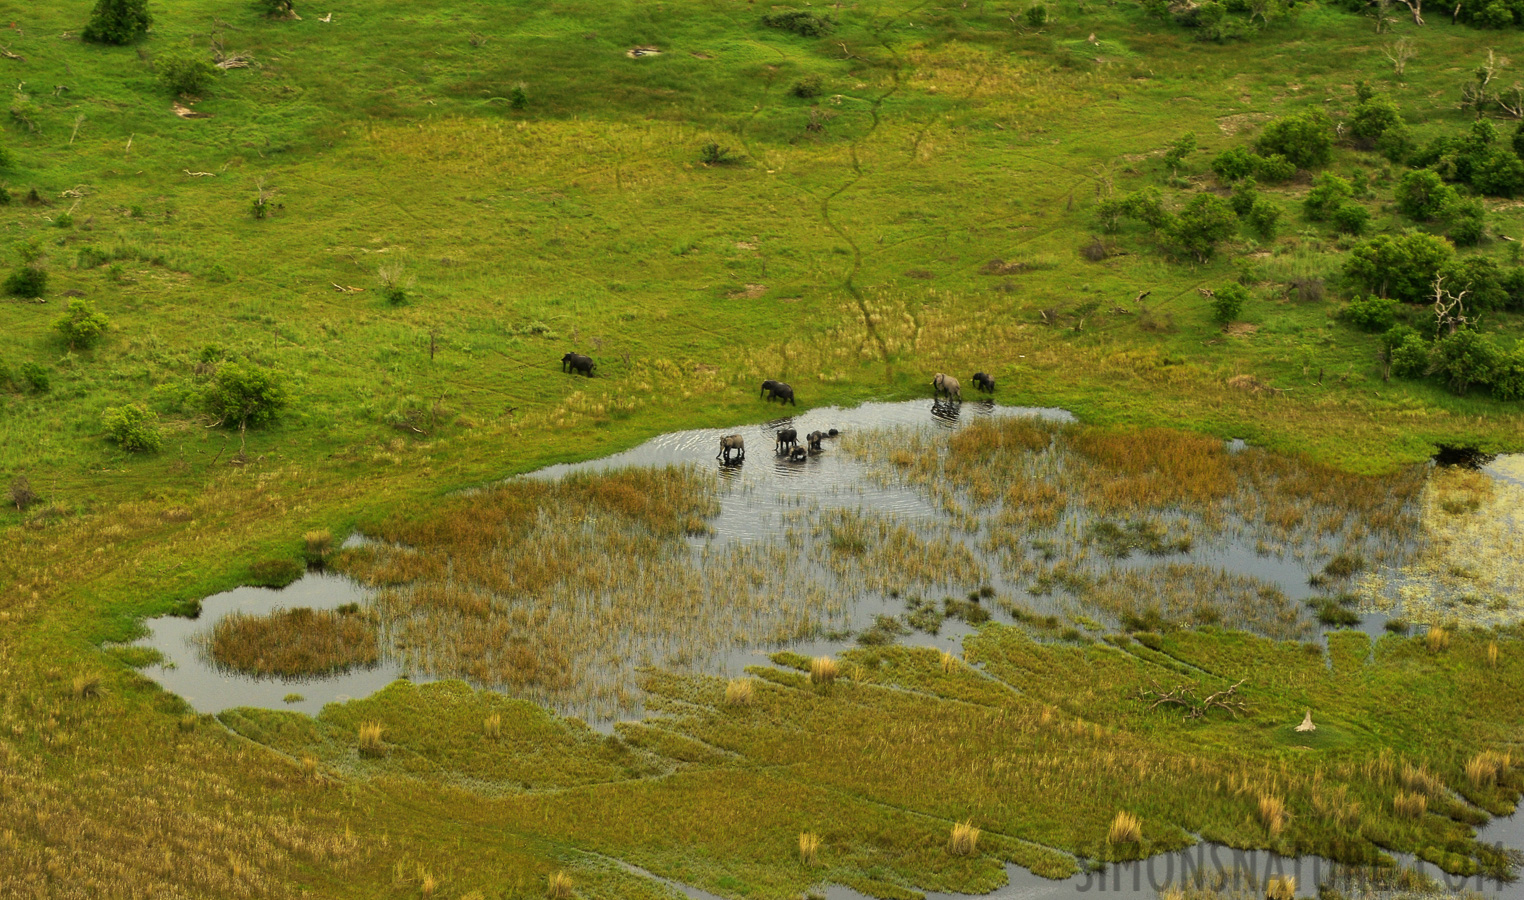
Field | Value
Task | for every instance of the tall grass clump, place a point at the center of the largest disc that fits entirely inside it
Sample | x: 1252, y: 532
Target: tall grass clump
x: 1410, y: 806
x: 316, y: 545
x: 1421, y: 780
x: 1483, y: 769
x: 492, y: 727
x: 809, y: 847
x: 1272, y: 814
x: 1492, y: 654
x: 964, y: 838
x: 824, y: 670
x: 370, y: 740
x: 1280, y: 887
x: 1437, y: 639
x: 739, y: 692
x: 293, y: 643
x: 86, y: 687
x: 1126, y: 828
x: 558, y: 886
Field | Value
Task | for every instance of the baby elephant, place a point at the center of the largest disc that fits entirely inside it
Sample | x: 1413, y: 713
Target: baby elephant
x: 777, y: 390
x: 813, y: 439
x: 576, y: 362
x: 946, y: 384
x: 788, y: 439
x: 984, y: 382
x: 732, y: 443
x: 799, y: 454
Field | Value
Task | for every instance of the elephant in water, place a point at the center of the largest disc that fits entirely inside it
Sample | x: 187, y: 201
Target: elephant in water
x: 813, y: 439
x: 777, y: 390
x: 732, y: 443
x: 984, y: 382
x: 798, y: 454
x: 788, y: 439
x: 946, y: 384
x: 576, y: 362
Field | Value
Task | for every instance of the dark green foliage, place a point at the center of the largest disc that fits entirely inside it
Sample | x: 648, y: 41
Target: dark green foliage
x: 1228, y: 302
x: 1373, y: 118
x: 1344, y: 565
x: 1177, y: 153
x: 278, y: 9
x: 1512, y: 281
x: 518, y: 96
x: 6, y: 161
x: 1274, y: 168
x: 243, y: 395
x: 1234, y: 164
x: 801, y: 22
x: 275, y: 573
x: 1508, y: 377
x: 82, y: 325
x: 713, y: 154
x: 1037, y: 15
x: 1518, y: 140
x: 1401, y: 266
x: 35, y: 378
x: 1265, y: 217
x: 1328, y: 193
x: 1371, y: 313
x: 1464, y: 359
x: 1304, y: 139
x: 1198, y: 228
x: 27, y: 281
x: 1422, y: 194
x: 1350, y: 218
x: 133, y: 428
x: 1407, y: 352
x: 118, y: 22
x: 1480, y: 277
x: 807, y: 87
x: 1466, y: 221
x: 184, y: 72
x: 1244, y: 196
x: 1498, y: 172
x: 1147, y: 206
x: 1333, y: 614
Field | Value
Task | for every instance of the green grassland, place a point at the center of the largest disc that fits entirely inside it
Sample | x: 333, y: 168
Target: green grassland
x: 848, y: 250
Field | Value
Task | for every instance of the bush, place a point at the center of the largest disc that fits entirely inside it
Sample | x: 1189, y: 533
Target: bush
x: 1176, y: 155
x: 1401, y: 266
x: 82, y: 325
x: 1037, y: 15
x: 1235, y: 164
x: 118, y: 22
x: 1244, y: 196
x: 184, y: 73
x: 1373, y: 118
x: 806, y: 88
x: 1464, y: 359
x: 1228, y: 302
x: 713, y: 154
x: 518, y: 96
x: 278, y: 9
x: 133, y: 427
x: 1498, y: 172
x: 1328, y: 193
x: 1480, y: 277
x: 1274, y: 168
x: 1508, y: 378
x: 1410, y: 355
x: 27, y: 281
x: 1518, y: 140
x: 1350, y: 218
x: 1265, y: 218
x: 1422, y: 194
x: 35, y: 378
x: 1371, y: 313
x: 6, y: 161
x: 1304, y: 139
x: 1204, y: 223
x: 1467, y: 221
x: 801, y: 22
x: 1147, y: 206
x: 240, y: 395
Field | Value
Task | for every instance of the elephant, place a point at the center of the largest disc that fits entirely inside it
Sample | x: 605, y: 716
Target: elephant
x: 832, y: 433
x: 788, y: 439
x: 799, y: 454
x: 732, y: 443
x: 946, y: 384
x: 777, y: 390
x: 984, y: 382
x: 575, y: 362
x: 813, y: 439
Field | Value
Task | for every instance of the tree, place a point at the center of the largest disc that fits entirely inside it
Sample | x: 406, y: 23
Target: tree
x: 184, y: 72
x: 1228, y: 302
x: 1373, y: 118
x: 1480, y: 277
x: 1465, y: 358
x: 1371, y: 313
x: 118, y: 22
x: 1198, y: 228
x: 1234, y: 164
x: 1328, y: 193
x: 244, y: 396
x: 82, y: 325
x: 1305, y: 139
x: 1407, y: 352
x: 1508, y: 377
x: 133, y: 427
x: 1401, y: 266
x: 1422, y: 194
x: 1497, y: 172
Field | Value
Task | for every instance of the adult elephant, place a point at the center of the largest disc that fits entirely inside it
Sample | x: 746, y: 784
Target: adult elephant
x: 946, y: 384
x: 732, y: 443
x: 984, y: 382
x: 787, y: 440
x: 777, y: 390
x: 813, y: 439
x: 575, y: 362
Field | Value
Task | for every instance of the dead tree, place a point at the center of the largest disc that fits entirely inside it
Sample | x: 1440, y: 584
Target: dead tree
x: 1449, y: 309
x: 1184, y: 696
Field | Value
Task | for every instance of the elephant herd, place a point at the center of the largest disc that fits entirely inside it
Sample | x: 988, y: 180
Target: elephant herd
x: 785, y: 443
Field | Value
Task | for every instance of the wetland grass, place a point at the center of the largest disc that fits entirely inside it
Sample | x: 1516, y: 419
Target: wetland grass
x: 86, y: 687
x: 369, y: 740
x: 1437, y: 639
x: 809, y: 847
x: 294, y: 643
x: 1410, y: 806
x: 1272, y: 815
x: 964, y: 839
x: 558, y: 886
x: 824, y: 670
x: 1280, y: 887
x: 1126, y: 828
x: 739, y: 692
x: 492, y: 727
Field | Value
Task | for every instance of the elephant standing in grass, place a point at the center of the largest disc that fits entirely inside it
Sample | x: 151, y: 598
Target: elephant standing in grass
x: 732, y: 443
x: 575, y: 362
x: 777, y: 390
x: 984, y: 382
x: 946, y: 384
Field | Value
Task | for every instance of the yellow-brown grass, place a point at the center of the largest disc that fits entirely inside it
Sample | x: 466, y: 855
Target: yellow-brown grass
x: 1280, y: 887
x: 824, y: 670
x: 317, y: 545
x: 1437, y: 639
x: 949, y: 662
x: 809, y: 846
x: 1421, y: 780
x: 1272, y: 814
x: 492, y: 727
x: 1492, y: 654
x: 1483, y: 769
x: 964, y: 838
x: 558, y: 886
x: 739, y: 692
x: 86, y: 687
x: 1410, y: 806
x: 1126, y: 828
x: 370, y: 739
x: 294, y: 642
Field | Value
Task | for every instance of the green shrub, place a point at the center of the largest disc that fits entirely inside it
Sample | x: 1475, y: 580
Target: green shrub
x: 1176, y: 155
x: 241, y: 395
x: 1197, y: 230
x: 1467, y: 221
x: 807, y: 87
x: 30, y: 282
x: 6, y: 159
x: 35, y: 378
x: 1265, y: 218
x: 1422, y: 194
x: 1037, y: 15
x: 518, y: 96
x: 1410, y: 355
x: 1401, y: 266
x: 1245, y: 195
x: 133, y: 428
x: 801, y: 22
x: 1228, y: 302
x: 1372, y: 118
x: 1235, y: 164
x: 1328, y: 193
x: 1465, y: 358
x: 1350, y: 218
x: 1518, y: 140
x: 184, y: 72
x: 1371, y: 313
x: 712, y: 154
x: 82, y: 325
x: 1274, y: 168
x: 118, y: 22
x: 1147, y: 206
x: 1304, y: 139
x: 1508, y: 378
x: 1480, y: 277
x: 1498, y: 172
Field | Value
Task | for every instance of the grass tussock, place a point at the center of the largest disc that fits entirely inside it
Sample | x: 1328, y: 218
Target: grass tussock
x: 86, y: 687
x: 824, y: 670
x: 1437, y: 639
x: 1272, y: 814
x: 1410, y: 806
x: 1421, y: 780
x: 370, y: 744
x: 1492, y: 654
x: 964, y: 838
x: 1280, y: 887
x: 1126, y: 828
x: 809, y: 847
x: 295, y: 643
x: 558, y: 886
x: 1483, y: 769
x: 740, y: 692
x: 492, y: 727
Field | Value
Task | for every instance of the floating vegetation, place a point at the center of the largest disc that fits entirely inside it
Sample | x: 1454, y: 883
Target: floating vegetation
x: 294, y: 643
